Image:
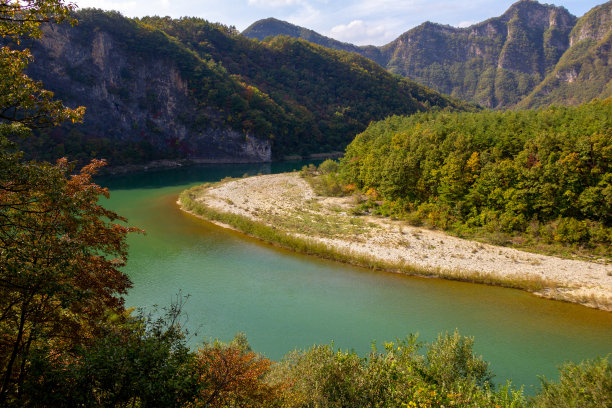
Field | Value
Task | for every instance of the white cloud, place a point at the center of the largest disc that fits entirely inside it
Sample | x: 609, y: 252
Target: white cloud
x: 464, y: 24
x: 358, y: 21
x: 307, y: 16
x: 360, y: 33
x: 276, y: 3
x: 107, y: 5
x: 366, y: 7
x: 127, y: 8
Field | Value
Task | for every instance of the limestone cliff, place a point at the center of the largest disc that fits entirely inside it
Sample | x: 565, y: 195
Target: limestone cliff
x: 494, y: 63
x: 161, y: 88
x: 138, y: 100
x: 584, y: 72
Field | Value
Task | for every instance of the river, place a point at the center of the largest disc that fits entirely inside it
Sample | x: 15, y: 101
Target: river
x: 283, y: 300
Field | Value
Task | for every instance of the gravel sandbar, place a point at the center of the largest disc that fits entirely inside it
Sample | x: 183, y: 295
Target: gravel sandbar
x: 287, y: 202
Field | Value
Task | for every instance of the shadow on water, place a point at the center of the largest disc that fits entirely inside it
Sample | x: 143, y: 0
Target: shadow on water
x: 181, y: 176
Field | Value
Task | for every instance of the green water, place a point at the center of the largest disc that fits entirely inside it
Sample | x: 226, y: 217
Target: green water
x: 284, y: 301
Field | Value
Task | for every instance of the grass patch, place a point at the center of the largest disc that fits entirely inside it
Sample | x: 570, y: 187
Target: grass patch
x: 312, y: 223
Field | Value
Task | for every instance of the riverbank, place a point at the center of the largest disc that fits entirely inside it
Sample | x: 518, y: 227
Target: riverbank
x: 283, y: 209
x: 165, y: 164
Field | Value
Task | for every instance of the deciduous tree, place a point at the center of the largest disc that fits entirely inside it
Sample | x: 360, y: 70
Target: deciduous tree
x: 22, y: 99
x: 60, y: 259
x: 60, y: 251
x: 231, y: 375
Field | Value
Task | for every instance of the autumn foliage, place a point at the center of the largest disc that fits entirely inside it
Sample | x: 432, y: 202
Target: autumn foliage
x: 233, y: 375
x: 537, y: 177
x: 60, y: 251
x: 60, y: 259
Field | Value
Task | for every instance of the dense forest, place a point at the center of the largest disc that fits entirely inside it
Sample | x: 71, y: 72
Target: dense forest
x: 544, y: 175
x: 186, y: 88
x: 336, y: 92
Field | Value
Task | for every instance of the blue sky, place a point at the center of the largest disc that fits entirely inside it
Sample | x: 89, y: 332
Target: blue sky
x: 356, y: 21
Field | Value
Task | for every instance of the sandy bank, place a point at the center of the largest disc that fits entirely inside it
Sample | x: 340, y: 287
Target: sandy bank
x: 287, y: 203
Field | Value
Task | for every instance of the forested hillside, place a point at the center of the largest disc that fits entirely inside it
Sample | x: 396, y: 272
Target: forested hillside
x: 543, y: 176
x: 66, y: 337
x: 531, y: 56
x: 161, y: 88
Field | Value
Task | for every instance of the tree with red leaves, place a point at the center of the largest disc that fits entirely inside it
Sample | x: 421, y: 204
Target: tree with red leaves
x: 60, y: 251
x: 232, y: 375
x: 60, y: 259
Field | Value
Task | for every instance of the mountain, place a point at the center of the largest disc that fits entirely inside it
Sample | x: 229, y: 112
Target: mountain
x: 584, y: 72
x: 158, y: 88
x: 503, y: 60
x: 494, y: 63
x: 271, y: 27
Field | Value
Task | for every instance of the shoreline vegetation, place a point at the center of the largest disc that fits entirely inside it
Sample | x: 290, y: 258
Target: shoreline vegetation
x: 284, y: 210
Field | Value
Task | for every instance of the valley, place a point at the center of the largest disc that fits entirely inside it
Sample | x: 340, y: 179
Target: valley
x: 447, y: 241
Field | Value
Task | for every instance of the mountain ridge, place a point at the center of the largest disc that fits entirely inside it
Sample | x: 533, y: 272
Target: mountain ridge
x: 271, y: 26
x: 496, y: 63
x: 584, y: 72
x: 158, y: 88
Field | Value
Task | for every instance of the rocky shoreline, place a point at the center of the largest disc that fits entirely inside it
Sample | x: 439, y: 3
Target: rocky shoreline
x: 287, y: 203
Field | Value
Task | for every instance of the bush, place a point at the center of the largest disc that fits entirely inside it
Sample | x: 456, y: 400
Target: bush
x: 570, y: 230
x: 325, y: 180
x: 585, y: 385
x: 452, y: 362
x: 328, y: 166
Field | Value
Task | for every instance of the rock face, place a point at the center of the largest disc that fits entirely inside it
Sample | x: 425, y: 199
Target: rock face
x: 496, y: 63
x: 595, y: 25
x: 157, y: 88
x: 134, y: 99
x: 584, y: 72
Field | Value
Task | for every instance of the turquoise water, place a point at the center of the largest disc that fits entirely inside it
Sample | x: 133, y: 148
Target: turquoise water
x: 284, y: 301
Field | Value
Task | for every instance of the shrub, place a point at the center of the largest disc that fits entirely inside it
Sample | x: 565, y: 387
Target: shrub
x: 451, y: 362
x: 570, y: 230
x: 585, y: 385
x: 328, y: 166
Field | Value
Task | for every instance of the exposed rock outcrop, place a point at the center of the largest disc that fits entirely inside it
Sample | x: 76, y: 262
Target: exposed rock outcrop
x: 584, y: 72
x: 135, y: 98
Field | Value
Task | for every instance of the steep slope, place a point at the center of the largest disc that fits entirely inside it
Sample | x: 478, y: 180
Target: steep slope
x: 496, y: 63
x: 162, y: 88
x: 327, y: 95
x: 141, y: 89
x: 273, y: 27
x: 584, y: 72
